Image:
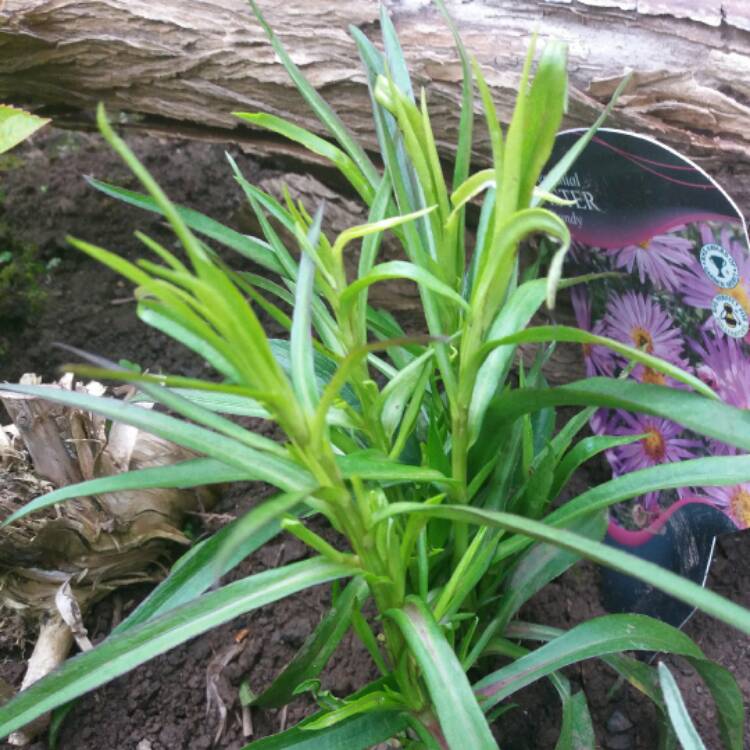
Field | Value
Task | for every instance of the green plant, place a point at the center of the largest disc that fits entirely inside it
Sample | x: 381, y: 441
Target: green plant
x: 436, y: 469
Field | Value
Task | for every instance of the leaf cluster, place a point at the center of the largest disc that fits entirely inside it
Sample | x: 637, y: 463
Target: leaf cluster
x: 438, y: 466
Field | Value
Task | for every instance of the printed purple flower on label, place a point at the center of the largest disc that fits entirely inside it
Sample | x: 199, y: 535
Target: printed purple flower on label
x: 726, y: 364
x: 661, y: 260
x: 733, y: 500
x: 662, y: 443
x: 638, y: 320
x: 726, y: 369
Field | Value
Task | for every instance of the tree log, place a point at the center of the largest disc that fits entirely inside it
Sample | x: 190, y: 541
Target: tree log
x: 197, y: 62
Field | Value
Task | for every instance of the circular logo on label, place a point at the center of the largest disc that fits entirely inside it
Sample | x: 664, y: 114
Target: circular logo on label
x: 719, y: 266
x: 730, y: 316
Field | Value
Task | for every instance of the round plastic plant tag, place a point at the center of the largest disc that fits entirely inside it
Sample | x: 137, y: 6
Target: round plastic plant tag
x: 682, y: 294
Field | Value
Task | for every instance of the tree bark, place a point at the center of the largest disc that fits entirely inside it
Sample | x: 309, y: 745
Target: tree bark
x: 195, y: 63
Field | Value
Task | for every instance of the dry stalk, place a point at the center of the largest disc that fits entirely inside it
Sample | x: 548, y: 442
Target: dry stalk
x: 56, y: 563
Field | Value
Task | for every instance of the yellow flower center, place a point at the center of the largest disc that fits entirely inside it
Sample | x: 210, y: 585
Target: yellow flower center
x: 653, y: 377
x: 641, y: 338
x: 739, y: 293
x: 654, y: 444
x: 740, y: 503
x: 645, y: 244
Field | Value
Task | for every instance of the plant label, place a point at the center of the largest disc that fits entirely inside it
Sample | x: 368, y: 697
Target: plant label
x: 682, y: 293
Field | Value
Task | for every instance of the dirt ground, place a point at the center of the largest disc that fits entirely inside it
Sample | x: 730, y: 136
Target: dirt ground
x: 162, y: 705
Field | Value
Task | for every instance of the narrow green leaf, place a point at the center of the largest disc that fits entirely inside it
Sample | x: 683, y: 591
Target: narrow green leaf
x: 317, y: 649
x: 401, y: 269
x: 703, y: 415
x: 202, y: 565
x: 534, y: 569
x: 371, y: 245
x: 723, y: 686
x: 608, y: 634
x: 375, y: 227
x: 514, y: 315
x: 562, y: 167
x: 683, y: 725
x: 185, y: 474
x: 473, y: 186
x: 403, y: 179
x: 369, y: 464
x: 461, y: 719
x: 360, y: 732
x: 466, y: 123
x: 167, y: 321
x: 300, y: 342
x: 668, y: 582
x: 412, y: 412
x: 190, y: 410
x: 377, y: 700
x: 699, y: 472
x: 509, y: 200
x: 485, y: 231
x: 730, y: 703
x: 466, y: 574
x: 282, y: 473
x: 493, y: 128
x: 392, y: 400
x: 250, y: 247
x: 323, y: 111
x: 497, y: 268
x: 368, y: 639
x: 546, y: 104
x: 243, y: 406
x: 577, y: 730
x: 225, y: 403
x: 584, y: 450
x: 325, y: 369
x: 394, y: 55
x: 545, y: 334
x: 122, y: 652
x: 639, y: 674
x: 314, y: 144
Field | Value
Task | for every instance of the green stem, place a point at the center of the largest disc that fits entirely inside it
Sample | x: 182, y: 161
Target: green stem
x: 470, y: 342
x: 312, y: 540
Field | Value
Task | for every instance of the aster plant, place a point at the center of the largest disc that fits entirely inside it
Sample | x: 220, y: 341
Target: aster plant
x: 664, y: 316
x: 433, y: 456
x: 660, y: 259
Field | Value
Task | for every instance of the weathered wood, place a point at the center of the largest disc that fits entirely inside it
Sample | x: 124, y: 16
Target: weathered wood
x: 37, y: 423
x: 197, y: 62
x: 50, y: 651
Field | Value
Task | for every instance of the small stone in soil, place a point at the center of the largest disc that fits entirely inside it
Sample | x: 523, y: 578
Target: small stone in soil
x: 618, y: 722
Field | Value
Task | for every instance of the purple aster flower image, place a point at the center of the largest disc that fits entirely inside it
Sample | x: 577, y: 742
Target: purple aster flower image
x: 661, y: 259
x: 639, y: 321
x: 598, y: 359
x: 663, y: 443
x: 726, y: 369
x: 733, y: 500
x: 698, y: 289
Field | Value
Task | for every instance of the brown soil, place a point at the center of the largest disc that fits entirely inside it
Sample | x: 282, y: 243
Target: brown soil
x: 162, y: 705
